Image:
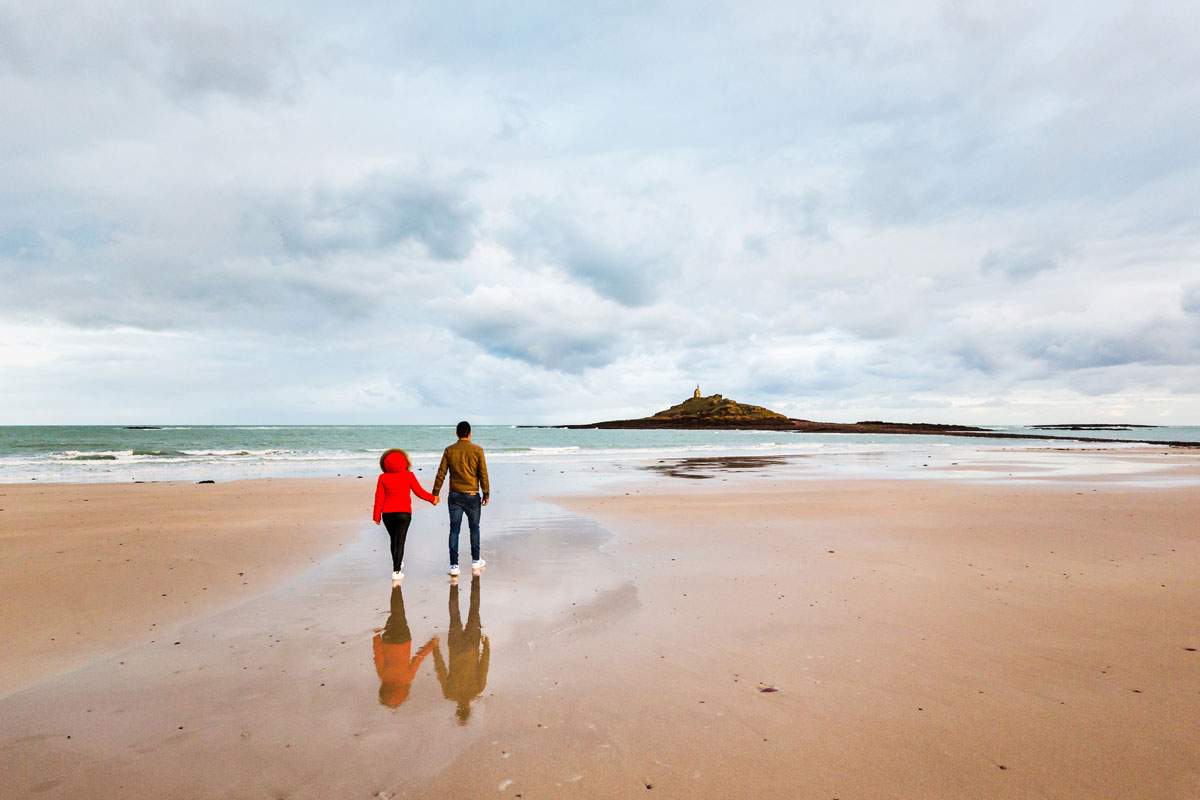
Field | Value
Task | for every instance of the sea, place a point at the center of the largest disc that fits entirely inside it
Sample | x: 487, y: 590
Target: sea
x: 114, y: 453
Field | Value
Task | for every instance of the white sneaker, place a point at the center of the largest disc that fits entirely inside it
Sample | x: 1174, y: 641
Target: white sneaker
x: 476, y: 565
x: 397, y: 576
x: 454, y: 570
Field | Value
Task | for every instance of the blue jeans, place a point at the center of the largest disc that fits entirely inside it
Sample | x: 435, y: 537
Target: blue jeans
x: 460, y: 503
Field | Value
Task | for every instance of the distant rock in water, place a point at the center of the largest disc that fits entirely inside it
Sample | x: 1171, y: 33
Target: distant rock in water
x: 206, y: 481
x: 1099, y: 427
x: 143, y: 427
x: 717, y: 412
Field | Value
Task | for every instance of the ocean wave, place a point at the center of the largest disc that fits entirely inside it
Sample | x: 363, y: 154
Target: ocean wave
x: 95, y: 457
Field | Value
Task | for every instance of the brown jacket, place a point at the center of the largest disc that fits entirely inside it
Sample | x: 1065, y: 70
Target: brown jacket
x: 468, y: 470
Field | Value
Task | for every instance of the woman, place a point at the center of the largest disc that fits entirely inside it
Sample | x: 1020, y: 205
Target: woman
x: 393, y: 503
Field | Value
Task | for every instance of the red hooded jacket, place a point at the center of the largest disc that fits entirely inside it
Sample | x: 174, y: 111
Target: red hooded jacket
x: 392, y: 489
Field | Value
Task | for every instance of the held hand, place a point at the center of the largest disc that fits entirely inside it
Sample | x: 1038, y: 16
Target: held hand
x: 376, y: 522
x: 436, y: 500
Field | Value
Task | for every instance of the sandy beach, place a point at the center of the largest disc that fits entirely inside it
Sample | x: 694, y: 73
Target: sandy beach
x: 924, y: 637
x: 92, y: 567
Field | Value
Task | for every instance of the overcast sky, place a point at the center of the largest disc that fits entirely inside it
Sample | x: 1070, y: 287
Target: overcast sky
x: 375, y: 212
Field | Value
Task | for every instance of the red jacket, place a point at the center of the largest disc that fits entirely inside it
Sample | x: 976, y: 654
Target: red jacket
x: 392, y: 489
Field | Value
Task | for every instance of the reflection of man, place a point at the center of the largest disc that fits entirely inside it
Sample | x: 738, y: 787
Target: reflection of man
x: 468, y: 491
x: 393, y: 646
x: 467, y: 675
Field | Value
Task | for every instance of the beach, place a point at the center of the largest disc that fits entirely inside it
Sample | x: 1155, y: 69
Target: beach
x: 1019, y: 625
x: 92, y: 567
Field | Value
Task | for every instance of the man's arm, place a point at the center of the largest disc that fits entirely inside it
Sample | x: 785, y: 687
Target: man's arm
x: 483, y: 478
x: 441, y: 475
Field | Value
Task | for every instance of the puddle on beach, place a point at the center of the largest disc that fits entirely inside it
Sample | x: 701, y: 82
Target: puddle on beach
x: 335, y: 673
x: 702, y: 467
x: 953, y: 462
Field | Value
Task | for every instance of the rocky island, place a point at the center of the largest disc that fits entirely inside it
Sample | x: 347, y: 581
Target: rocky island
x: 716, y: 411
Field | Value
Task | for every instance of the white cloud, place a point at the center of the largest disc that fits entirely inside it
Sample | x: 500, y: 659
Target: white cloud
x: 938, y: 210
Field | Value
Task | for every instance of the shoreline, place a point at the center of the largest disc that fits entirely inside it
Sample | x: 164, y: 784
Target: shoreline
x: 886, y: 428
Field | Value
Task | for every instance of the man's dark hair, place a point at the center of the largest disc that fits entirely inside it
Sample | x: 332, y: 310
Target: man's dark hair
x: 464, y: 429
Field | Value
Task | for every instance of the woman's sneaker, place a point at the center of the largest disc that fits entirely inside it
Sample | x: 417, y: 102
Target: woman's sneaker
x: 454, y: 570
x: 477, y: 565
x: 397, y: 577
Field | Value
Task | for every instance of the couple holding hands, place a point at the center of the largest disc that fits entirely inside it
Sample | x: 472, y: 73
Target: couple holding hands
x: 465, y: 464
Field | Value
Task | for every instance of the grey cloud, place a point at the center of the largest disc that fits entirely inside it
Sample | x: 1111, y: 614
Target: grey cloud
x: 882, y: 311
x: 804, y: 213
x: 1155, y: 342
x: 246, y: 58
x: 240, y: 296
x: 977, y: 356
x: 553, y: 327
x: 226, y: 259
x: 1024, y: 109
x: 1022, y: 262
x: 130, y: 281
x: 187, y: 51
x: 601, y: 256
x: 1190, y: 298
x: 551, y: 347
x: 380, y: 212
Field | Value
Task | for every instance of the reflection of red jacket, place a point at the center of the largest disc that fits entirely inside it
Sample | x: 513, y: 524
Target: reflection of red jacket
x: 392, y: 489
x: 396, y: 671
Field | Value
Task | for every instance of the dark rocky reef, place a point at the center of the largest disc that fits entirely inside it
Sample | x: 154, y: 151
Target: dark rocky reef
x: 1110, y: 427
x: 717, y: 412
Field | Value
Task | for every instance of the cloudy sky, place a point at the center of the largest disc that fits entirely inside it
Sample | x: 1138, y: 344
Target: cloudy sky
x: 559, y: 212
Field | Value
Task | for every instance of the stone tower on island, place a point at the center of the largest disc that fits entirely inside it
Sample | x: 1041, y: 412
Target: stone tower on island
x: 697, y: 392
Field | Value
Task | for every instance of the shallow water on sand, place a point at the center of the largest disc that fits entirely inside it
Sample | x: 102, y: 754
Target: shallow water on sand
x: 306, y: 686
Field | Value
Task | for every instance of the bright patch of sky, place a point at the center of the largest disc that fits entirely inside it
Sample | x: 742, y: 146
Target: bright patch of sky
x: 562, y: 212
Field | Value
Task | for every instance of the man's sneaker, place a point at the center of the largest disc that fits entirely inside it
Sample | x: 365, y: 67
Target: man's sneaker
x: 454, y: 570
x: 397, y: 576
x: 478, y: 564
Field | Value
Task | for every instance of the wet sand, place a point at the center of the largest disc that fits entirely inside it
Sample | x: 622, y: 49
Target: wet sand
x: 927, y: 638
x: 87, y: 568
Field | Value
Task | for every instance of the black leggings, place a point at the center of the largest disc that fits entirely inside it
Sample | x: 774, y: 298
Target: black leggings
x: 397, y: 523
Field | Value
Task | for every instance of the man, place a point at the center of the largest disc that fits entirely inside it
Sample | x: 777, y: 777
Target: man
x: 468, y: 492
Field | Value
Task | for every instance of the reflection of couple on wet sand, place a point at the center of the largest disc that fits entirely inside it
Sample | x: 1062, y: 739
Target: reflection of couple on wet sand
x: 393, y: 648
x: 462, y: 679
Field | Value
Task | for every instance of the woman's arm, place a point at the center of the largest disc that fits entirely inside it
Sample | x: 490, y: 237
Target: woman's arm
x: 418, y: 491
x: 377, y: 514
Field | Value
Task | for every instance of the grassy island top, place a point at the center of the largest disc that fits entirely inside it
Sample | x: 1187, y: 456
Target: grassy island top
x: 716, y: 407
